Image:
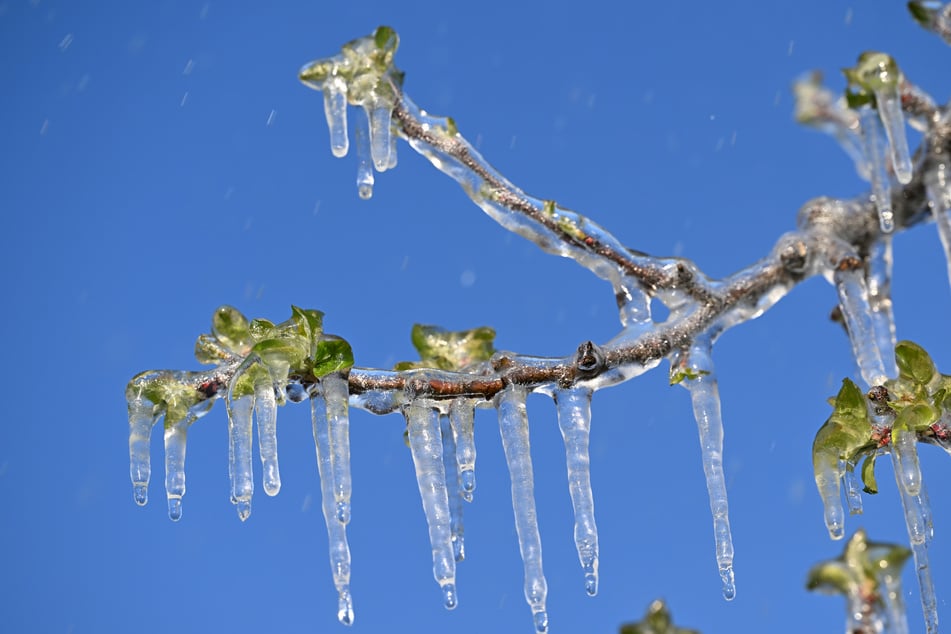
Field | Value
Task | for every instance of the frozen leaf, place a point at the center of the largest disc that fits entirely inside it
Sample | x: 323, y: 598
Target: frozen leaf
x: 914, y: 363
x: 450, y: 350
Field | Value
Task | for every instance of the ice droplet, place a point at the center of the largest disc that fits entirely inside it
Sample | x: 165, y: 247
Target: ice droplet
x: 425, y: 442
x: 450, y: 600
x: 335, y: 109
x: 364, y: 171
x: 574, y: 420
x: 345, y: 608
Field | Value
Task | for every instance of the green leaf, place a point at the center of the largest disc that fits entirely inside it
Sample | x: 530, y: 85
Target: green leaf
x: 385, y: 38
x: 261, y: 329
x: 832, y: 577
x: 281, y: 353
x: 230, y: 327
x: 452, y: 350
x: 917, y: 417
x: 920, y: 13
x: 310, y: 322
x: 914, y: 363
x: 333, y: 354
x: 875, y: 71
x: 868, y: 474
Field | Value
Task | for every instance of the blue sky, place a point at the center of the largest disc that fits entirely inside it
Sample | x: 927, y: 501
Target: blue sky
x: 161, y: 159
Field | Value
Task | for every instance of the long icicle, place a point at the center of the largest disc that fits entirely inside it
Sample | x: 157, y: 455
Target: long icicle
x: 880, y: 301
x: 888, y: 101
x: 141, y: 421
x: 905, y: 450
x: 513, y: 425
x: 453, y: 488
x: 425, y: 442
x: 176, y: 435
x: 335, y: 109
x: 365, y: 179
x: 706, y: 409
x: 916, y: 521
x: 875, y: 162
x: 854, y: 302
x: 336, y: 531
x: 239, y: 453
x: 265, y: 414
x: 574, y: 420
x: 337, y: 395
x: 938, y: 188
x: 461, y: 414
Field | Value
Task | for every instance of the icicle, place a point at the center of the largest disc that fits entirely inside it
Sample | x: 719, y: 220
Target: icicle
x: 905, y: 449
x: 141, y: 420
x: 378, y: 116
x: 265, y: 413
x: 393, y: 161
x: 889, y: 111
x: 891, y: 593
x: 337, y: 394
x: 335, y: 109
x: 513, y: 425
x: 706, y: 409
x: 336, y: 531
x: 916, y: 514
x: 853, y: 299
x: 938, y: 189
x: 460, y: 417
x: 881, y: 191
x: 453, y: 490
x: 425, y: 443
x: 828, y: 473
x: 574, y: 419
x: 880, y: 301
x: 239, y: 454
x: 175, y: 438
x: 364, y: 171
x: 853, y: 492
x: 634, y: 305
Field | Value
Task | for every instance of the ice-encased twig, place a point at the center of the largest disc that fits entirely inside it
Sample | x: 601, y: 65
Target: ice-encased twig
x: 141, y: 421
x: 938, y: 189
x: 460, y: 417
x: 888, y: 102
x: 916, y: 522
x: 239, y: 453
x: 905, y: 450
x: 265, y: 414
x: 361, y: 133
x: 574, y: 420
x: 513, y: 425
x: 854, y: 302
x: 176, y: 435
x: 336, y: 530
x: 425, y: 442
x: 335, y: 109
x: 875, y: 162
x: 336, y: 393
x: 706, y: 409
x: 453, y: 488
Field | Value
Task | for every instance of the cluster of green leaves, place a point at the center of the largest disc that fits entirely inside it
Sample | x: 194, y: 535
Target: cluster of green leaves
x: 449, y: 350
x: 245, y: 353
x: 861, y: 425
x: 657, y: 620
x: 364, y: 64
x: 858, y: 571
x: 874, y: 73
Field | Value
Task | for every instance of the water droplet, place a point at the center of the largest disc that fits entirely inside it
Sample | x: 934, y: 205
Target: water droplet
x: 365, y: 191
x: 140, y: 492
x: 345, y: 608
x: 468, y: 483
x: 174, y: 508
x: 449, y: 596
x: 591, y: 583
x: 541, y: 621
x: 729, y: 588
x: 343, y: 512
x: 244, y: 509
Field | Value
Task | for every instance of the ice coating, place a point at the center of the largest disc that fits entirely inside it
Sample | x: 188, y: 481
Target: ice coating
x: 828, y: 481
x: 453, y: 488
x: 239, y: 453
x: 175, y: 438
x: 265, y: 414
x: 905, y: 448
x: 335, y: 109
x: 574, y: 420
x: 888, y: 103
x: 364, y: 169
x: 378, y: 118
x: 916, y: 521
x: 875, y: 164
x: 141, y: 420
x: 854, y: 302
x: 513, y: 425
x: 460, y: 418
x: 336, y: 531
x: 426, y: 445
x: 706, y: 409
x: 938, y: 189
x: 336, y: 394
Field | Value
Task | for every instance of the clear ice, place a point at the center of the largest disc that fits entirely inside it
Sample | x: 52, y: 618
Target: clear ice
x: 336, y: 394
x: 141, y: 420
x: 829, y: 472
x: 513, y: 425
x: 574, y: 419
x: 875, y: 162
x: 938, y: 189
x: 853, y: 491
x: 336, y: 530
x: 905, y: 449
x: 175, y: 438
x: 378, y: 118
x: 364, y: 169
x: 335, y: 109
x: 706, y: 408
x: 239, y: 453
x: 426, y: 445
x: 460, y: 418
x: 265, y: 414
x: 880, y: 301
x: 453, y: 488
x: 889, y: 111
x: 854, y: 302
x: 917, y: 522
